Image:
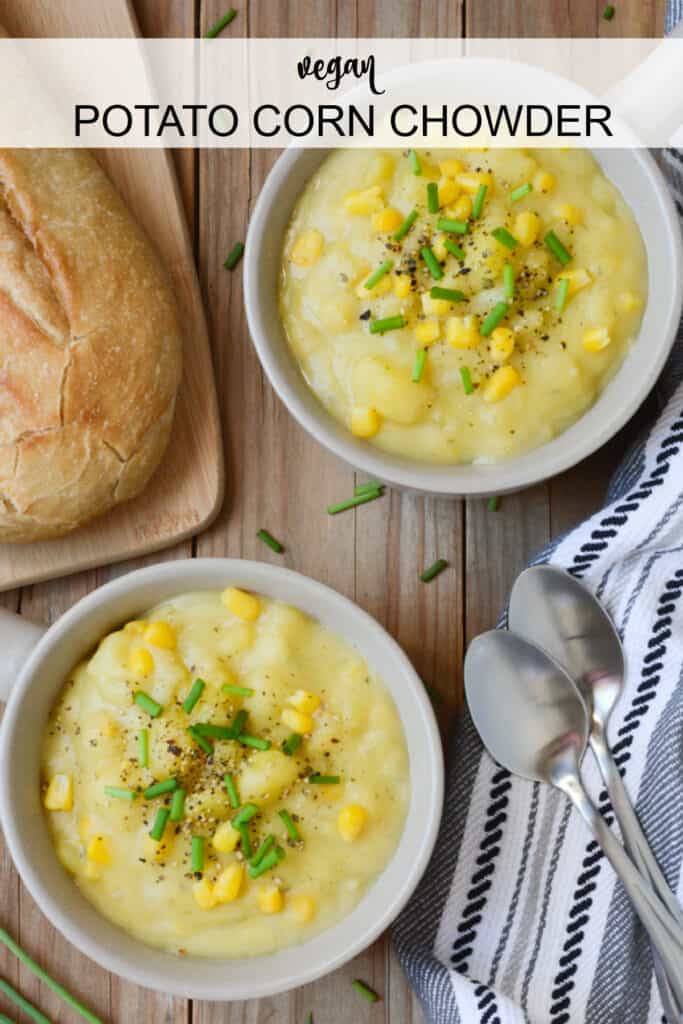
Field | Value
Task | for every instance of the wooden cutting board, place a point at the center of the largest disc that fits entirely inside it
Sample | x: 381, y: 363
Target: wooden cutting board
x: 187, y: 489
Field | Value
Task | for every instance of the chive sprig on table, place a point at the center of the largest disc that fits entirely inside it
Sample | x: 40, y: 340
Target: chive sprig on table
x: 358, y: 499
x: 365, y: 991
x: 493, y: 503
x: 437, y: 567
x: 222, y: 23
x: 28, y: 1008
x: 367, y: 487
x: 193, y: 696
x: 234, y: 256
x: 270, y: 541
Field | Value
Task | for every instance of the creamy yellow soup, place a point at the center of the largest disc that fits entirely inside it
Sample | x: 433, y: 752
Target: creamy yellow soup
x: 539, y: 276
x: 264, y: 824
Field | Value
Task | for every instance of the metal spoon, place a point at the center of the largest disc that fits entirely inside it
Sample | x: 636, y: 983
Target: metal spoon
x: 534, y: 722
x: 553, y: 610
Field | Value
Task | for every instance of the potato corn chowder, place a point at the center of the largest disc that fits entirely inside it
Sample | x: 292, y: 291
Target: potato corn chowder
x: 224, y: 777
x: 460, y: 305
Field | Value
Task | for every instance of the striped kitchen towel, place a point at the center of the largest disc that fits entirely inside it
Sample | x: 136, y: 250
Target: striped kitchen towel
x: 519, y: 918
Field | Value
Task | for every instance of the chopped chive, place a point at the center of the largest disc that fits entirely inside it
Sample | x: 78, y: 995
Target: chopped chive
x: 369, y: 485
x: 248, y: 812
x: 503, y: 236
x: 389, y: 323
x: 365, y: 991
x: 479, y: 199
x: 495, y: 316
x: 238, y: 722
x: 433, y: 264
x: 493, y: 503
x: 434, y: 570
x: 239, y: 691
x: 521, y: 191
x: 271, y: 860
x: 450, y: 294
x: 466, y: 378
x: 262, y: 851
x: 414, y: 161
x: 291, y: 744
x: 197, y: 854
x: 193, y: 696
x: 378, y: 274
x: 144, y: 701
x: 234, y: 256
x: 222, y: 23
x: 455, y: 227
x: 454, y: 249
x: 316, y: 779
x: 254, y: 741
x: 214, y: 732
x: 178, y: 805
x: 120, y: 793
x: 200, y: 741
x: 405, y: 227
x: 608, y: 12
x: 557, y: 249
x: 288, y: 822
x: 508, y: 281
x: 419, y: 365
x: 433, y: 197
x: 246, y: 842
x: 159, y: 825
x: 28, y: 1008
x: 159, y: 788
x: 233, y: 795
x: 309, y: 1019
x: 143, y: 748
x: 272, y: 543
x: 359, y: 499
x: 561, y: 296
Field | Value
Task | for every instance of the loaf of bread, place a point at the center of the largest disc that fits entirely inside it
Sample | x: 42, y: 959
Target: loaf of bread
x: 90, y: 346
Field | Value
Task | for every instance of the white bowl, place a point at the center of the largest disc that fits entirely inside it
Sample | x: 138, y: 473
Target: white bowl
x: 637, y: 177
x: 25, y: 826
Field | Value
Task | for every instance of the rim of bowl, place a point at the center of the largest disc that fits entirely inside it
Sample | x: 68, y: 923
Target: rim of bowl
x: 414, y: 861
x: 459, y: 479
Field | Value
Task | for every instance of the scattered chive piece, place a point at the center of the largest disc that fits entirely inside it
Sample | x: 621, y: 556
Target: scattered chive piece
x: 455, y: 227
x: 309, y: 1019
x: 389, y: 323
x: 222, y: 23
x: 479, y: 199
x: 466, y: 378
x: 271, y: 859
x: 193, y: 696
x: 503, y: 236
x: 143, y: 747
x: 419, y: 365
x: 414, y: 161
x: 378, y: 274
x: 432, y: 263
x: 5, y: 1020
x: 450, y: 294
x: 234, y: 256
x: 200, y: 741
x: 561, y: 296
x: 120, y: 793
x: 608, y: 12
x: 248, y: 812
x: 28, y: 1008
x: 493, y: 503
x: 159, y: 788
x: 233, y: 795
x: 246, y: 842
x: 508, y: 281
x: 489, y: 325
x: 370, y: 485
x: 433, y: 197
x: 238, y: 722
x: 324, y: 780
x: 178, y: 805
x: 197, y: 853
x: 239, y: 691
x: 454, y: 249
x: 519, y: 193
x: 268, y: 539
x: 291, y: 744
x: 557, y: 249
x: 405, y: 227
x: 144, y: 701
x: 359, y: 499
x: 214, y: 732
x: 262, y: 851
x: 254, y: 741
x: 292, y: 830
x: 434, y: 570
x: 365, y: 991
x: 159, y: 825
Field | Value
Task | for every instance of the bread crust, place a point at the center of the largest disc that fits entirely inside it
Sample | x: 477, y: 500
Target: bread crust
x: 90, y: 346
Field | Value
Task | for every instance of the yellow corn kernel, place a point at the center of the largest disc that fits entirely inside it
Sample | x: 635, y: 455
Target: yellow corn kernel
x: 307, y: 249
x: 303, y: 908
x: 98, y: 850
x: 365, y: 202
x: 387, y: 220
x: 628, y: 302
x: 135, y: 628
x: 304, y: 700
x: 59, y: 795
x: 595, y: 339
x: 270, y: 900
x: 84, y: 828
x: 435, y: 307
x: 448, y: 192
x: 240, y: 603
x: 502, y: 344
x: 92, y: 871
x: 569, y: 213
x: 462, y: 331
x: 297, y: 721
x: 501, y: 382
x: 439, y: 249
x: 110, y: 727
x: 526, y: 228
x: 462, y: 208
x: 427, y: 331
x: 365, y: 422
x: 470, y: 181
x: 451, y: 168
x: 225, y: 838
x: 543, y: 181
x: 229, y: 883
x: 401, y: 286
x: 156, y: 850
x: 140, y: 661
x: 577, y: 279
x: 204, y: 894
x: 160, y: 634
x: 351, y: 822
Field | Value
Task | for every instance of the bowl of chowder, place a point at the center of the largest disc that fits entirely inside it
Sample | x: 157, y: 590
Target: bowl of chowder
x: 463, y: 321
x: 228, y: 753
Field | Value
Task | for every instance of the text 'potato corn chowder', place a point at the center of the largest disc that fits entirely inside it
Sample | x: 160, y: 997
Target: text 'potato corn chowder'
x: 224, y: 777
x: 461, y: 305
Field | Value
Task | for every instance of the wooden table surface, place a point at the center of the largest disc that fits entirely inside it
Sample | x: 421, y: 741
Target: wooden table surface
x: 279, y: 478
